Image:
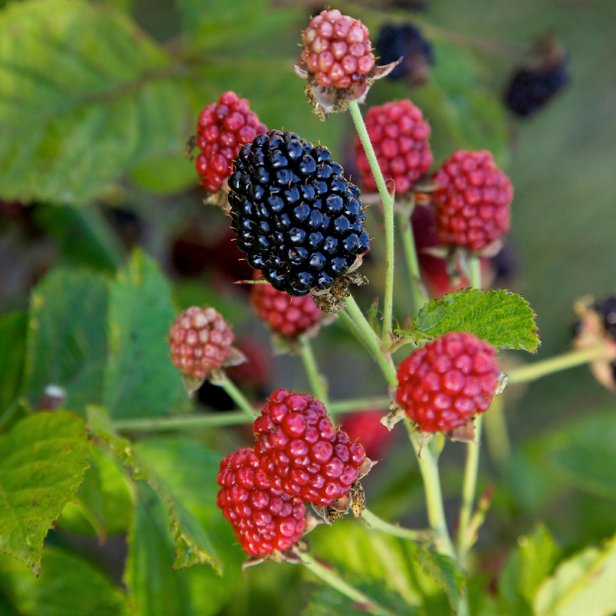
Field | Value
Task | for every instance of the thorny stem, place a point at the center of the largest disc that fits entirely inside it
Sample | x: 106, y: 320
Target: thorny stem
x: 412, y: 263
x: 367, y: 336
x: 471, y: 467
x: 234, y: 418
x: 315, y: 378
x: 373, y: 521
x: 536, y: 370
x: 331, y: 578
x: 388, y: 212
x: 428, y: 468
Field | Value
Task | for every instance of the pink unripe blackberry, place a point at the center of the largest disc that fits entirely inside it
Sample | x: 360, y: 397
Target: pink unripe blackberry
x: 399, y: 135
x: 301, y: 451
x: 263, y: 519
x: 472, y: 201
x: 222, y: 129
x: 287, y: 315
x: 336, y: 50
x: 442, y: 385
x: 200, y: 341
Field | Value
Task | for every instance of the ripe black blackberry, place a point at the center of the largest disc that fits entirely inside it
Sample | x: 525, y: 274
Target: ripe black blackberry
x: 298, y: 219
x: 544, y: 74
x: 407, y: 42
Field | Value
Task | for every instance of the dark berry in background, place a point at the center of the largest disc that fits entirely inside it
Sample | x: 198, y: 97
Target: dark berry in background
x: 544, y: 75
x: 297, y: 218
x: 407, y: 42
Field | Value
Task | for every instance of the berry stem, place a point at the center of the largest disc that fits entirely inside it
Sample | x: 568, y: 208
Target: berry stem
x: 471, y: 467
x: 388, y: 212
x: 315, y: 378
x: 238, y: 397
x: 497, y: 436
x: 538, y: 369
x: 376, y: 523
x: 428, y: 467
x: 362, y: 330
x: 410, y: 252
x: 331, y: 578
x: 235, y: 418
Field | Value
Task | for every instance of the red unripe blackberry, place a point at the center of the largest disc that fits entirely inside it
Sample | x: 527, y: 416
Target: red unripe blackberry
x: 263, y: 519
x: 296, y: 216
x: 222, y: 129
x: 445, y: 383
x: 472, y: 201
x: 285, y: 314
x: 301, y: 451
x: 366, y: 427
x: 336, y: 50
x: 200, y: 341
x: 399, y: 136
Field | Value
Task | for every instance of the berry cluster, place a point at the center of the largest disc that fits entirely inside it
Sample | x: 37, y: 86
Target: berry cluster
x: 399, y: 136
x: 298, y: 219
x: 472, y: 200
x: 223, y: 127
x: 442, y: 385
x: 200, y: 341
x: 299, y: 457
x: 336, y: 50
x: 264, y: 519
x: 285, y: 314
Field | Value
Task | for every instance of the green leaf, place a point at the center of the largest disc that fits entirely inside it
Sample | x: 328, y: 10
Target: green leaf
x: 326, y: 601
x: 86, y: 97
x: 403, y: 567
x: 502, y: 318
x: 82, y: 235
x: 68, y: 586
x: 192, y: 544
x: 67, y: 337
x: 42, y: 463
x: 104, y: 502
x: 579, y: 453
x: 583, y: 584
x: 526, y: 568
x: 140, y: 380
x: 155, y: 588
x: 12, y: 343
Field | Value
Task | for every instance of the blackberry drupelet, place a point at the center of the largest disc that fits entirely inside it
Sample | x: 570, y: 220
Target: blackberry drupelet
x: 298, y: 219
x: 407, y: 42
x: 529, y: 90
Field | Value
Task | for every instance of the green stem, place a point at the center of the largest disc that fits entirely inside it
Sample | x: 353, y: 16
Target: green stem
x: 471, y: 468
x: 331, y: 578
x: 234, y: 418
x: 497, y: 436
x: 238, y: 397
x: 366, y: 335
x: 538, y: 369
x: 428, y: 467
x: 410, y: 252
x: 377, y: 523
x: 316, y: 380
x: 388, y: 212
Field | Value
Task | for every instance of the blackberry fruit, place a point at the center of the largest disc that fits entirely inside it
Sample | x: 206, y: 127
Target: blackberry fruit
x: 298, y: 219
x: 445, y: 383
x: 264, y: 519
x: 407, y: 42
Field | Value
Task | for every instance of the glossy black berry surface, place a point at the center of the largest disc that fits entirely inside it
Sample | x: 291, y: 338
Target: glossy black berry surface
x: 297, y: 218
